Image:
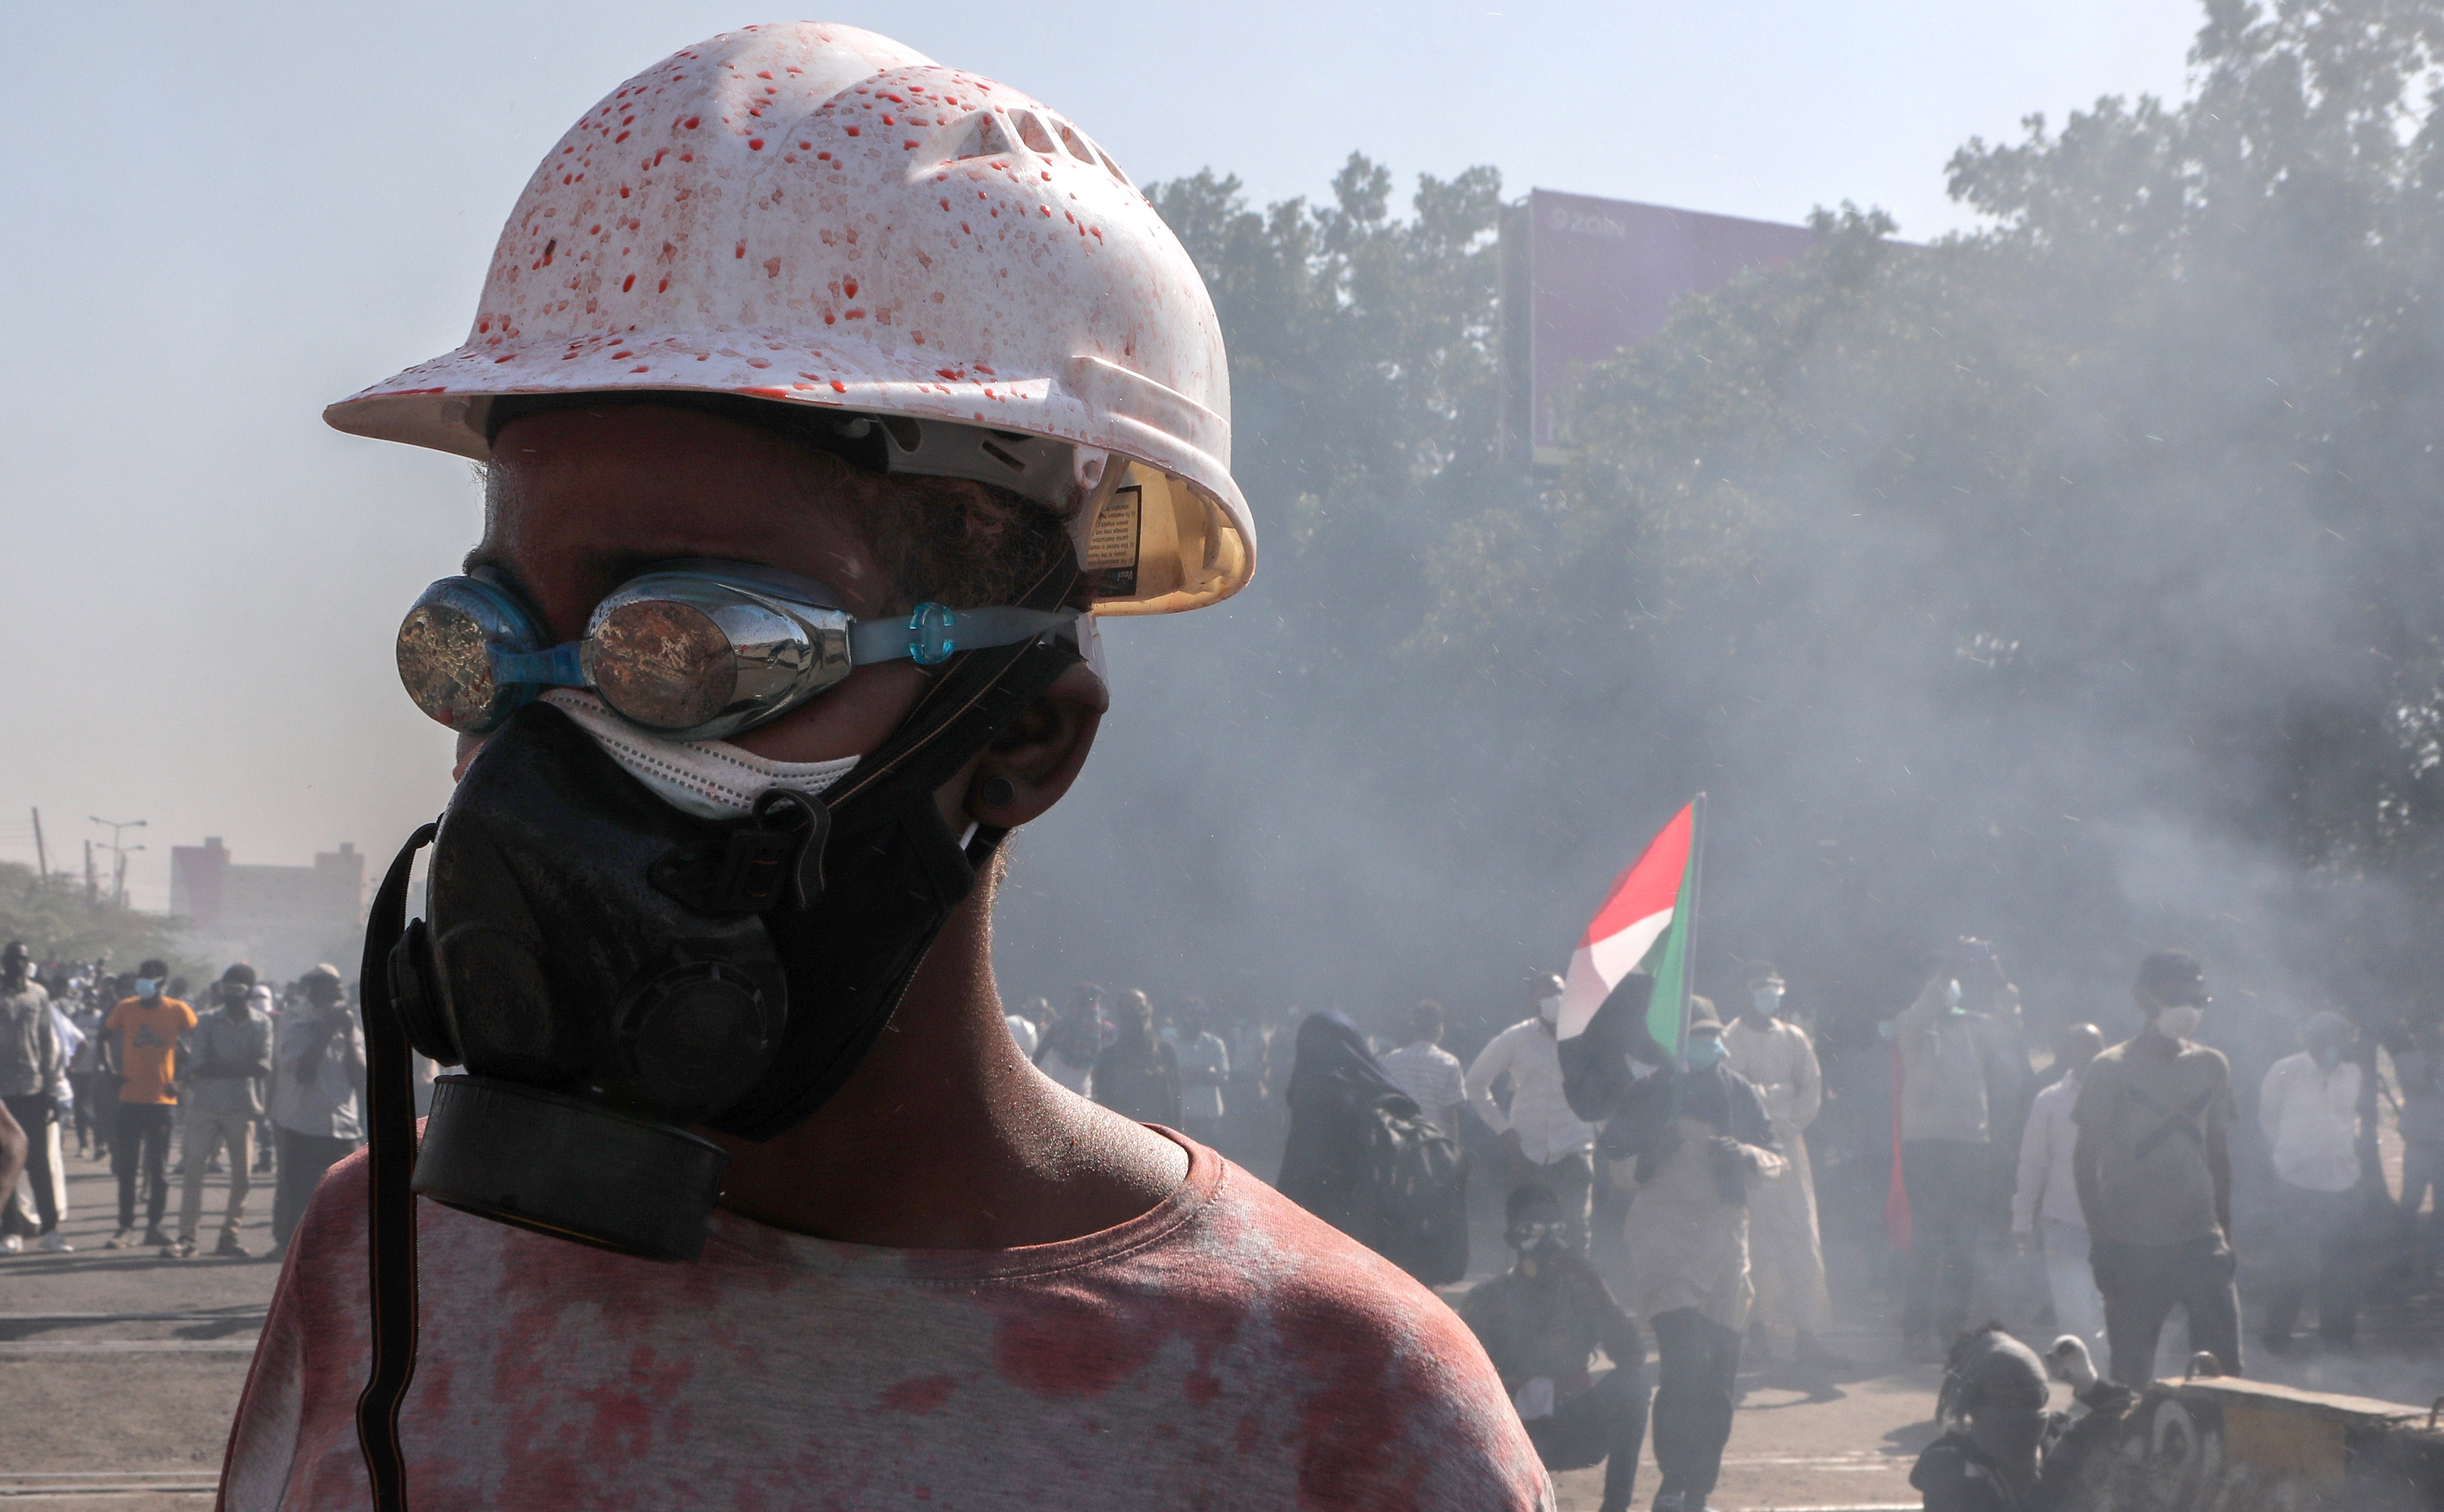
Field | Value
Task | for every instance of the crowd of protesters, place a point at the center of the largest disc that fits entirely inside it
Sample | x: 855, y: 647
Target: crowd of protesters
x: 253, y: 1080
x: 2080, y: 1188
x: 2088, y: 1185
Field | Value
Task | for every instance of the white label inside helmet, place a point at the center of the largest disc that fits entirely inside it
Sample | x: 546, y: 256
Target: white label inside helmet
x: 1112, y: 543
x: 711, y: 779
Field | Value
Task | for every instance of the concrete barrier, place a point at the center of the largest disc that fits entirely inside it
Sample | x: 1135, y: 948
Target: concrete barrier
x: 2217, y: 1444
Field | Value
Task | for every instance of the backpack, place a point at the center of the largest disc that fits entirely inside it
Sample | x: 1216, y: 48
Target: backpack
x: 1413, y: 1197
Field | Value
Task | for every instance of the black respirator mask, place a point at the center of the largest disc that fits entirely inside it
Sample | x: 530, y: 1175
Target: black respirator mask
x: 609, y: 970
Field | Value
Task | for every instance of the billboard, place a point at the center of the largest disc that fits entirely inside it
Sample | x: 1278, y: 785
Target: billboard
x: 1584, y: 278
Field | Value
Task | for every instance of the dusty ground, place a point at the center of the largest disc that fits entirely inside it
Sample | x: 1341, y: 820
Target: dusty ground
x: 119, y: 1371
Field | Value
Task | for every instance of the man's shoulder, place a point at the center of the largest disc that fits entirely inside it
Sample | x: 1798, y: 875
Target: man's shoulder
x: 1370, y: 1375
x: 2207, y: 1058
x: 2110, y: 1061
x: 1486, y: 1295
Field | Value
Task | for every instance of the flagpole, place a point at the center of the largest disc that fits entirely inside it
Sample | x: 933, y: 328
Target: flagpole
x: 1689, y: 940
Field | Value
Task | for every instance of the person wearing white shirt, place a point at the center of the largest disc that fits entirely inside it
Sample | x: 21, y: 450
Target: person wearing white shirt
x: 1204, y: 1068
x: 2047, y: 1190
x: 1427, y: 1071
x: 1785, y: 1249
x: 1543, y: 1141
x: 1066, y: 1051
x: 1022, y: 1026
x: 2309, y: 1109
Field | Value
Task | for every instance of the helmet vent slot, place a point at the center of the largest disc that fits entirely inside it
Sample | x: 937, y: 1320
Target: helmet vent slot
x: 1078, y: 145
x: 986, y: 139
x: 1031, y: 131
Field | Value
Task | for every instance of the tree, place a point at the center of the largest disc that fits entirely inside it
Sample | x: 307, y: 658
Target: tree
x: 2073, y: 578
x: 2071, y: 581
x: 58, y: 922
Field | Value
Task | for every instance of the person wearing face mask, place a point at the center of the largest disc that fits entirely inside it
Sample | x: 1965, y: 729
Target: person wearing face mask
x: 1786, y: 1252
x: 316, y: 1109
x: 230, y: 1050
x: 146, y: 1029
x: 2152, y: 1164
x: 1544, y: 1143
x: 1952, y: 1042
x: 1541, y: 1322
x: 1688, y: 1238
x: 2308, y: 1107
x: 828, y: 398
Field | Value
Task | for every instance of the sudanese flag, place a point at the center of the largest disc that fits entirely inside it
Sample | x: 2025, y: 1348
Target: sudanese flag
x: 1643, y: 926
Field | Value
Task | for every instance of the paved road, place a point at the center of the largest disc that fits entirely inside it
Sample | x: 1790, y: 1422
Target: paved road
x: 120, y: 1370
x: 1808, y: 1438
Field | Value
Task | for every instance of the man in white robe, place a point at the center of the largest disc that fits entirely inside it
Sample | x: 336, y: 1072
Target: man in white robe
x: 1786, y: 1254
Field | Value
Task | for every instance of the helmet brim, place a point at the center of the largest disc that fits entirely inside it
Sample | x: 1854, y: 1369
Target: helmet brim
x: 1198, y: 542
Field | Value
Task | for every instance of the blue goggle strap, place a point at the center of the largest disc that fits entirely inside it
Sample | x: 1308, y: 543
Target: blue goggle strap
x: 555, y: 668
x: 931, y: 634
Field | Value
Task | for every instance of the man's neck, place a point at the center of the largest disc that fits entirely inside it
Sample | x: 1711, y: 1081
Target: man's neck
x: 946, y: 1138
x: 1756, y: 1022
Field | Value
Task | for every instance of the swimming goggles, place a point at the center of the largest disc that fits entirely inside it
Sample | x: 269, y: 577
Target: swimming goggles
x: 693, y: 649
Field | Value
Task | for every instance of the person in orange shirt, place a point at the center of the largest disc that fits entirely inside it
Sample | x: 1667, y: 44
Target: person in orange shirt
x: 147, y: 1027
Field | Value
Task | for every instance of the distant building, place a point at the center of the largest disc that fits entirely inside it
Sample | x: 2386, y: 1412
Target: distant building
x: 1584, y: 279
x: 281, y: 918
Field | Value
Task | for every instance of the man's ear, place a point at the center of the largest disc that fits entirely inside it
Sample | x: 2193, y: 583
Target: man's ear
x: 1026, y: 770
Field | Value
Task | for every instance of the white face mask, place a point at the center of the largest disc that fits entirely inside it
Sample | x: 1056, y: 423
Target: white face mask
x: 1550, y: 1009
x: 711, y: 779
x: 1767, y: 1001
x: 2180, y: 1020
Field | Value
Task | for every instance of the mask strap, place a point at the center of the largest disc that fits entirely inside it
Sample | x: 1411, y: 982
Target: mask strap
x: 976, y: 698
x: 390, y: 1128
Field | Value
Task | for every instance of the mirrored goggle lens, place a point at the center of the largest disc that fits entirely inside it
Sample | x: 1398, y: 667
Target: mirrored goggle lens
x: 705, y: 650
x: 664, y: 665
x: 446, y: 653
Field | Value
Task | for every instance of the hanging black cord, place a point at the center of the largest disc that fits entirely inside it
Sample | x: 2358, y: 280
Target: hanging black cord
x: 982, y: 693
x: 390, y: 1127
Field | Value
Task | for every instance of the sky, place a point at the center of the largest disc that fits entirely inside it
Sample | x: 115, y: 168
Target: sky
x: 222, y: 218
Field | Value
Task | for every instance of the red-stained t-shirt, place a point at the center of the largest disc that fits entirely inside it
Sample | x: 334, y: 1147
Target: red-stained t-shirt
x: 1225, y: 1350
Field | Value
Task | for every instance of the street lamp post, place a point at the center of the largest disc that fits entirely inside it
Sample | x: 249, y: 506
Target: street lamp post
x: 119, y: 852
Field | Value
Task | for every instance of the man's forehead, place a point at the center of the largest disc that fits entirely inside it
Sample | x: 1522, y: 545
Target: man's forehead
x: 601, y: 494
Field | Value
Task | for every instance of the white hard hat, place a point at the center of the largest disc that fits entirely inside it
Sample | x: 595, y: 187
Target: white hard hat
x: 817, y: 216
